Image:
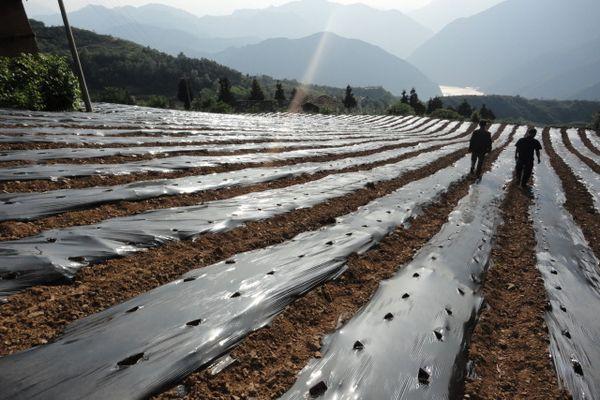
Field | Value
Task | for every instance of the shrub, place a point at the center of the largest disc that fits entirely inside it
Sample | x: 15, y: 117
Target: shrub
x: 157, y: 102
x: 445, y: 113
x: 401, y: 109
x: 475, y: 117
x: 208, y: 103
x: 115, y: 95
x: 596, y: 122
x: 39, y: 82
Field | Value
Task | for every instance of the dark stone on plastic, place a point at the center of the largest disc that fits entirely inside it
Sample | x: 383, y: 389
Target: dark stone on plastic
x: 358, y: 346
x: 424, y: 377
x: 132, y: 360
x: 318, y: 390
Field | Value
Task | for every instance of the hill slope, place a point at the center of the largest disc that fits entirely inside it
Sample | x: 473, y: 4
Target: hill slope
x: 479, y: 50
x: 328, y: 59
x: 440, y: 13
x: 557, y: 75
x: 112, y: 62
x: 392, y: 30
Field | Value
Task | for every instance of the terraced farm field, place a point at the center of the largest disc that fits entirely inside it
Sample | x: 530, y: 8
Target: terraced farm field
x: 174, y: 255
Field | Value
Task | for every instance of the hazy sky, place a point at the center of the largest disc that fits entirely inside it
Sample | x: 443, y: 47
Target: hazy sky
x: 210, y: 7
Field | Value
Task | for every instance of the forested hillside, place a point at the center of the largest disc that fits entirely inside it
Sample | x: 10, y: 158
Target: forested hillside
x: 517, y: 108
x: 109, y: 62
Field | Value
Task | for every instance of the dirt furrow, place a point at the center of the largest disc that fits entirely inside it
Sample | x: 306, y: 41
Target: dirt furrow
x: 121, y: 159
x: 39, y: 314
x: 268, y: 361
x: 103, y: 180
x: 509, y: 347
x: 586, y: 160
x: 52, y: 145
x: 12, y: 230
x: 579, y: 201
x: 588, y: 143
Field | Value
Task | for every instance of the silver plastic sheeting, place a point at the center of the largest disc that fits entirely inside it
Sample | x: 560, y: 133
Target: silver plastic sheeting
x: 571, y: 274
x: 137, y: 348
x: 594, y: 138
x: 584, y: 173
x: 170, y: 164
x: 580, y: 146
x: 79, y: 153
x: 34, y: 205
x: 409, y: 341
x: 38, y: 259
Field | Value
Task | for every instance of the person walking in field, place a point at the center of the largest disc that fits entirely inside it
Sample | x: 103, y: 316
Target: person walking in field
x: 526, y: 147
x: 479, y: 147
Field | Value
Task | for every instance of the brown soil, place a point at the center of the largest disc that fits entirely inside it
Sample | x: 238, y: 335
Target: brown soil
x: 586, y: 160
x: 39, y: 314
x: 588, y: 143
x: 102, y: 180
x: 579, y: 201
x: 268, y: 361
x: 13, y: 230
x: 509, y: 347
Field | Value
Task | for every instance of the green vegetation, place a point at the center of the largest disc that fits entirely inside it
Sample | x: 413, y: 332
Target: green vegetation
x: 143, y: 73
x: 115, y: 95
x: 401, y: 108
x: 517, y: 109
x: 596, y: 122
x: 349, y: 99
x: 37, y: 82
x: 444, y: 113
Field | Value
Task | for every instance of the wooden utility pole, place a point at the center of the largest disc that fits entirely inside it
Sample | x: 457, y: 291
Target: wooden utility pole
x: 76, y: 61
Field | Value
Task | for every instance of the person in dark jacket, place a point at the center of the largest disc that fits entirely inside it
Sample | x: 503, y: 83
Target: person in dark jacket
x: 526, y: 147
x: 479, y: 147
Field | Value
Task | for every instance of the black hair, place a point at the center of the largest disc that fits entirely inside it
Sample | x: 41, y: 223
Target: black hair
x: 483, y: 123
x: 532, y: 132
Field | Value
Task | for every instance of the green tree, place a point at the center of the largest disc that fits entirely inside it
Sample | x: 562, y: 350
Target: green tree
x: 115, y: 95
x: 256, y: 92
x: 157, y: 102
x: 404, y: 98
x: 401, y: 108
x: 445, y: 113
x: 596, y: 122
x: 225, y: 94
x: 184, y: 93
x: 486, y: 113
x: 465, y: 109
x: 280, y: 94
x: 415, y: 103
x: 475, y: 116
x: 349, y: 99
x: 434, y: 104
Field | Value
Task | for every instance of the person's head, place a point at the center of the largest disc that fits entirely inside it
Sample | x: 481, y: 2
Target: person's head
x: 483, y: 124
x: 531, y: 133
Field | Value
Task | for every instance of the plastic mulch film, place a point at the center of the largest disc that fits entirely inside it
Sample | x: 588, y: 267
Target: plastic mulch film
x: 169, y: 164
x: 409, y: 341
x: 571, y: 274
x: 37, y: 259
x: 580, y: 146
x: 584, y: 173
x: 139, y: 347
x: 79, y: 153
x: 49, y: 154
x: 594, y: 138
x: 28, y: 206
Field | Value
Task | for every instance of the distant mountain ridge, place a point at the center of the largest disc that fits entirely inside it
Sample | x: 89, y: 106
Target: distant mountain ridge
x: 439, y: 13
x: 391, y: 30
x: 330, y: 60
x: 480, y: 50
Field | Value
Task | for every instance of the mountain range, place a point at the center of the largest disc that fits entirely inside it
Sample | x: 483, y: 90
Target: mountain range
x: 491, y: 46
x: 534, y: 48
x: 391, y: 30
x: 328, y: 59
